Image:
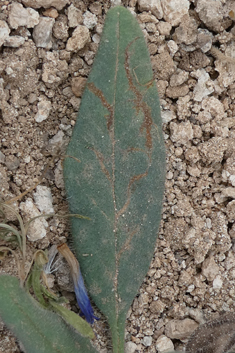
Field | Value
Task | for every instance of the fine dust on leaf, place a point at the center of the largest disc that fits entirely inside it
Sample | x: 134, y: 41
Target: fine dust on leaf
x: 216, y: 336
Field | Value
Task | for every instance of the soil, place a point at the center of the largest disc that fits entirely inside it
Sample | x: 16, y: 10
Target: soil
x: 192, y: 275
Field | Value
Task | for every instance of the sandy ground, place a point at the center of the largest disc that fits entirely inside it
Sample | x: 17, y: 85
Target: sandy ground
x: 42, y: 72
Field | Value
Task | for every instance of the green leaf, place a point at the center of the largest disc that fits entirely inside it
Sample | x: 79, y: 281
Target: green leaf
x: 39, y: 330
x: 119, y: 181
x: 74, y: 320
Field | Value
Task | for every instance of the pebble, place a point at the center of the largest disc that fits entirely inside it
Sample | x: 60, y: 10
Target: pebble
x: 4, y: 32
x: 36, y: 4
x: 37, y: 229
x: 164, y: 28
x: 210, y: 269
x: 228, y: 192
x: 12, y: 162
x: 178, y: 78
x: 74, y: 16
x: 218, y: 282
x: 130, y: 347
x: 180, y: 329
x: 115, y: 2
x: 181, y: 133
x: 4, y: 186
x: 2, y: 157
x: 96, y: 38
x: 14, y: 41
x: 57, y: 140
x: 151, y: 5
x: 19, y: 16
x: 79, y: 38
x: 59, y: 179
x: 164, y: 344
x: 78, y: 85
x: 174, y: 10
x: 147, y: 341
x: 60, y: 28
x: 42, y: 33
x: 211, y: 13
x: 43, y: 199
x: 204, y: 39
x: 89, y: 20
x: 44, y: 108
x: 202, y: 88
x: 53, y: 13
x: 54, y: 70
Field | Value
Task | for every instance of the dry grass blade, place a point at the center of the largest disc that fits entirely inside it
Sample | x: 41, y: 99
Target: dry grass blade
x: 216, y: 336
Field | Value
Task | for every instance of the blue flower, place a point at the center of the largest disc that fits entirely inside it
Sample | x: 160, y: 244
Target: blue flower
x: 79, y: 286
x: 83, y: 300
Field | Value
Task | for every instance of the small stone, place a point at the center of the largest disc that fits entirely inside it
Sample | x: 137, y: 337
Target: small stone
x: 4, y: 186
x: 79, y: 39
x: 211, y: 13
x: 115, y: 3
x: 36, y: 4
x: 32, y: 98
x: 37, y: 229
x: 51, y: 12
x: 210, y: 269
x: 75, y: 102
x: 44, y: 108
x: 167, y: 116
x: 230, y: 210
x: 96, y: 38
x: 2, y: 157
x: 60, y: 28
x: 177, y: 91
x: 163, y: 65
x: 164, y: 28
x: 180, y: 329
x: 19, y: 16
x: 89, y: 20
x: 218, y: 282
x: 4, y: 32
x: 74, y: 16
x: 204, y: 39
x: 229, y: 192
x: 54, y: 70
x: 194, y: 171
x: 187, y: 31
x: 59, y: 179
x: 12, y: 162
x: 151, y: 5
x: 147, y: 341
x: 174, y: 10
x: 42, y: 33
x: 43, y: 199
x: 14, y: 41
x: 213, y: 149
x: 78, y: 85
x: 178, y: 78
x: 57, y: 140
x: 157, y: 307
x: 202, y: 88
x: 9, y: 113
x: 164, y: 344
x: 130, y: 347
x: 181, y: 133
x: 173, y: 47
x: 96, y: 8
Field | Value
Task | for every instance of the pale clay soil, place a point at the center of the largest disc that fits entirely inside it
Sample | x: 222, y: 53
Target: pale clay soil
x: 192, y: 45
